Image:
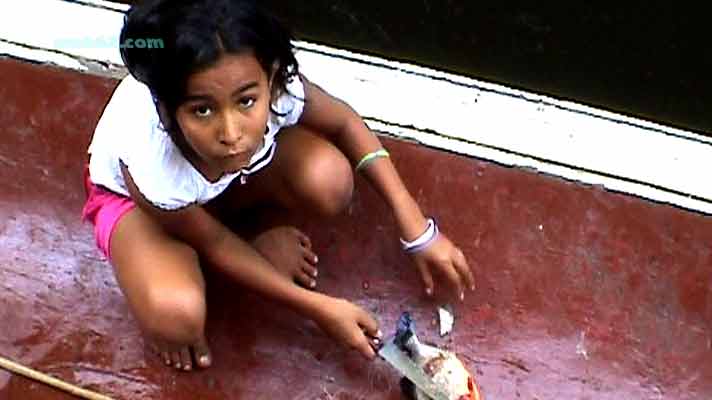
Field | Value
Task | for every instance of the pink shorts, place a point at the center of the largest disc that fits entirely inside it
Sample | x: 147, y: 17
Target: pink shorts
x: 104, y: 209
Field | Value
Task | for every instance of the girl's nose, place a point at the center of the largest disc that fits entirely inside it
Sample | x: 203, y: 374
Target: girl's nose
x: 230, y: 134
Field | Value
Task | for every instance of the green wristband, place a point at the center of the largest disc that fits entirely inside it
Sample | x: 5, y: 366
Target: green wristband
x: 370, y: 157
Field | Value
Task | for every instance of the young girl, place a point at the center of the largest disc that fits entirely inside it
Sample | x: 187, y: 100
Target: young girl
x: 220, y: 119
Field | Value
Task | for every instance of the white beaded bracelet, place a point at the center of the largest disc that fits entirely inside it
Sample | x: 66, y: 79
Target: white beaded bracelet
x: 423, y: 241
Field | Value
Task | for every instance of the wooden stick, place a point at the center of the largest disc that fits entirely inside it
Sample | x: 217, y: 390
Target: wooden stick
x: 51, y: 381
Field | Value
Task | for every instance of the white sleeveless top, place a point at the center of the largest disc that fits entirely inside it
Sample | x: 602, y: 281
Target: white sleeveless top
x: 130, y: 131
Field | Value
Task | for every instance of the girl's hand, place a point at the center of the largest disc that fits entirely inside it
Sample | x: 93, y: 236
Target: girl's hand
x: 448, y: 260
x: 350, y: 325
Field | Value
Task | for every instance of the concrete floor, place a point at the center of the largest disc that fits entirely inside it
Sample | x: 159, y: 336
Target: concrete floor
x: 583, y: 293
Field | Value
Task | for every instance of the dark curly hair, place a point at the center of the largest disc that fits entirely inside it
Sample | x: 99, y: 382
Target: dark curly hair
x: 194, y: 35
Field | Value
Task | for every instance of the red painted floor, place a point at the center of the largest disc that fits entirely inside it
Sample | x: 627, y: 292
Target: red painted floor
x: 583, y: 294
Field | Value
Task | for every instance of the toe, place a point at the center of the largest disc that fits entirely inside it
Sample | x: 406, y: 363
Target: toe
x: 310, y: 270
x: 302, y: 279
x: 185, y: 360
x: 309, y: 256
x: 303, y: 239
x: 175, y: 359
x: 202, y: 354
x: 305, y: 280
x: 166, y: 358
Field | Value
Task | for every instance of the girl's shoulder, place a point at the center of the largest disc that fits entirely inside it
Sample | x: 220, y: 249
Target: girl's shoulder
x: 130, y: 112
x: 131, y: 94
x: 129, y: 124
x: 129, y: 132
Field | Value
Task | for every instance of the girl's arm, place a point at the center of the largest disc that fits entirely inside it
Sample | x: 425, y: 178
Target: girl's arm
x: 239, y: 260
x: 346, y: 129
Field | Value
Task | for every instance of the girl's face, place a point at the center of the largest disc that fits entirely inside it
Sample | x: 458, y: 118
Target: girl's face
x: 224, y: 115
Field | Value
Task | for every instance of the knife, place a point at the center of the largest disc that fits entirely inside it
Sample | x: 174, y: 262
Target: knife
x: 399, y: 360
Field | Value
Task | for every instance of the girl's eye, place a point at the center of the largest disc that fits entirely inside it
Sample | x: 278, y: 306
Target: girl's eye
x: 202, y: 111
x: 247, y: 102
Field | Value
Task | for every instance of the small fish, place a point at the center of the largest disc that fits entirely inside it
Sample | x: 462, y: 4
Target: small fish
x: 444, y: 369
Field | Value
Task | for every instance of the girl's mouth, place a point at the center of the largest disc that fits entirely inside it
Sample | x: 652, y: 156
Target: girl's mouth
x: 242, y: 158
x: 238, y: 161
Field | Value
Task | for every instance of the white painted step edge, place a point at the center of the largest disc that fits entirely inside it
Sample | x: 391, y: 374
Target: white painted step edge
x: 438, y: 109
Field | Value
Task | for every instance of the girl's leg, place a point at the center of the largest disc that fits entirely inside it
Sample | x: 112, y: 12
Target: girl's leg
x: 161, y: 276
x: 162, y: 280
x: 308, y: 175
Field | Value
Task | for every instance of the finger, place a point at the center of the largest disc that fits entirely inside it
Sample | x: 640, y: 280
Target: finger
x: 310, y: 270
x: 369, y: 325
x: 166, y: 358
x: 449, y: 269
x: 365, y: 348
x: 426, y: 276
x: 310, y: 255
x: 303, y: 239
x: 464, y: 269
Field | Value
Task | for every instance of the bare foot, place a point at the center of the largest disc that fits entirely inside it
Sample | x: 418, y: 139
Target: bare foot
x: 289, y: 251
x: 184, y: 358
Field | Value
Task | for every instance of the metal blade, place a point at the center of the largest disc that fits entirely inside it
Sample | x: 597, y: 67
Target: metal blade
x: 400, y: 361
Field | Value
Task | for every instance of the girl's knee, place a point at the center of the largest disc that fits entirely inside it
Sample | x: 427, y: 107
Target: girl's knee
x: 327, y: 182
x: 175, y: 314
